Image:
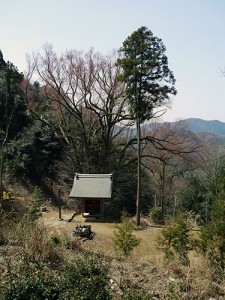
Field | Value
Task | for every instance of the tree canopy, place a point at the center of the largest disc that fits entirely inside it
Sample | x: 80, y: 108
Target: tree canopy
x: 150, y: 82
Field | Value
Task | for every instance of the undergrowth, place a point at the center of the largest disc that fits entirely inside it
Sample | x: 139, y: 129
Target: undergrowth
x: 36, y: 263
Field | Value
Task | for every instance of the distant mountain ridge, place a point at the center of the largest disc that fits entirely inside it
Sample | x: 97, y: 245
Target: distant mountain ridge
x: 214, y: 130
x: 202, y: 126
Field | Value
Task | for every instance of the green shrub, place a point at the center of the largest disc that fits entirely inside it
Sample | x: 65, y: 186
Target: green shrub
x: 56, y: 240
x: 123, y: 238
x: 157, y: 215
x: 175, y: 239
x: 31, y: 280
x: 212, y: 237
x: 34, y: 204
x: 86, y: 279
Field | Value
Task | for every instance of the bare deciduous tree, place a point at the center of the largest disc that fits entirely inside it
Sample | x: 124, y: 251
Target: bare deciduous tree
x: 88, y: 101
x: 170, y: 150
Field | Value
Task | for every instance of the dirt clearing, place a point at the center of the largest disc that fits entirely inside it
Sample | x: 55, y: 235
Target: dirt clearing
x: 103, y: 229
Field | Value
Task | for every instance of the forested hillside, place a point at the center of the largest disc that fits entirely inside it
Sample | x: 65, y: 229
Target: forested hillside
x: 86, y: 112
x: 214, y: 126
x: 69, y: 122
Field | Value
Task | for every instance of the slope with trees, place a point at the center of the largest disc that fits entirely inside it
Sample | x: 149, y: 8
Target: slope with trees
x: 13, y: 113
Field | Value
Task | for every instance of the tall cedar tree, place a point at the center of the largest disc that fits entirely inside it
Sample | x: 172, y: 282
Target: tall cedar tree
x: 149, y: 83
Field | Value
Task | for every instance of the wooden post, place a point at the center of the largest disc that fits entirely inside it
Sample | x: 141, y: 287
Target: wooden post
x: 102, y: 207
x: 59, y: 206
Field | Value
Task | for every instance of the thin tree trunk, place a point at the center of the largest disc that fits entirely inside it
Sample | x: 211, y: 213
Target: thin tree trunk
x: 138, y: 171
x: 163, y: 189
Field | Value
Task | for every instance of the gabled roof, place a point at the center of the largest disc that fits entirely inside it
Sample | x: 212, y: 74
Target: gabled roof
x: 92, y: 186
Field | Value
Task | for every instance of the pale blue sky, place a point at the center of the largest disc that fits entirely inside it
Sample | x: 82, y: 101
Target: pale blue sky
x: 193, y: 32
